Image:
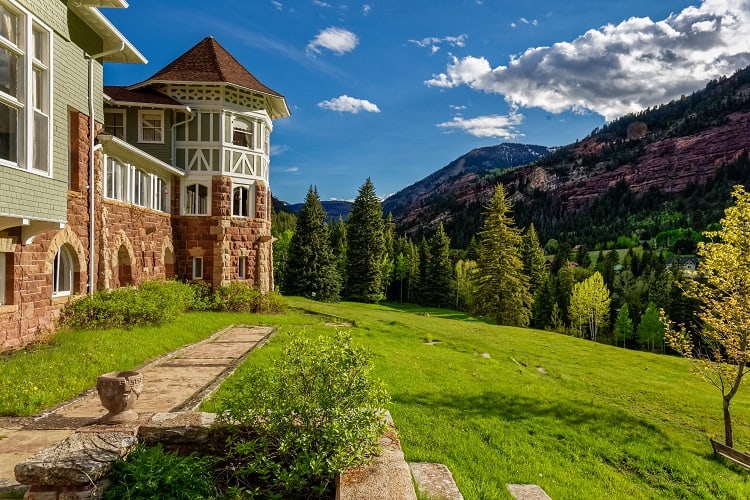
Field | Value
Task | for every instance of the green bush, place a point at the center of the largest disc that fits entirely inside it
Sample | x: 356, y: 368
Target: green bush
x: 151, y: 472
x: 154, y: 303
x: 241, y: 297
x: 293, y: 427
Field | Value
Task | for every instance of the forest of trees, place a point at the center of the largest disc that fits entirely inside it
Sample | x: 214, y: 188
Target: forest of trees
x: 504, y: 274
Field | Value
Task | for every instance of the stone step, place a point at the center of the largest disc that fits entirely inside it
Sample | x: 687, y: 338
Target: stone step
x: 435, y: 481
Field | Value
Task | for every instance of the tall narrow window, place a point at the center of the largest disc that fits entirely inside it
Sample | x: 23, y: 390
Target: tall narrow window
x: 240, y: 199
x: 196, y: 199
x: 114, y: 123
x: 242, y: 268
x: 62, y: 273
x: 197, y: 268
x: 160, y: 194
x: 24, y: 90
x: 151, y: 126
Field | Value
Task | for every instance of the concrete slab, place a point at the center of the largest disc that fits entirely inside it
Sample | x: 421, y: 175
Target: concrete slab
x: 435, y: 481
x: 527, y: 492
x: 246, y: 334
x: 18, y: 445
x: 218, y: 350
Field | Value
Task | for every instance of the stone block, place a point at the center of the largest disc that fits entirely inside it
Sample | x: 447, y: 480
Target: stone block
x: 178, y: 429
x: 435, y: 481
x: 527, y: 492
x: 79, y: 460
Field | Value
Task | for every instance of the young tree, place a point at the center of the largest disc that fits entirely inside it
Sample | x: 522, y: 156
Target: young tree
x: 311, y: 267
x: 650, y: 330
x: 532, y: 255
x: 465, y: 284
x: 365, y: 247
x: 338, y: 245
x: 438, y: 283
x: 502, y: 289
x: 623, y: 325
x: 589, y: 305
x: 724, y: 294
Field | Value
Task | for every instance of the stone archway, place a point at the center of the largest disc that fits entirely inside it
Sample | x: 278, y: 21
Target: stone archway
x: 122, y: 262
x: 68, y: 238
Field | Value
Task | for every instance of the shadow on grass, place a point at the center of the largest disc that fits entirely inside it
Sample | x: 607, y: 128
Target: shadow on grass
x: 581, y: 415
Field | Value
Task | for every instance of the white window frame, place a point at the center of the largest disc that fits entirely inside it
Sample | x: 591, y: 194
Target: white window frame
x: 248, y: 202
x: 242, y: 268
x: 197, y: 268
x: 160, y: 194
x: 244, y: 129
x: 32, y: 102
x: 3, y: 282
x: 112, y: 129
x: 62, y: 271
x: 129, y: 184
x: 143, y: 125
x: 193, y: 208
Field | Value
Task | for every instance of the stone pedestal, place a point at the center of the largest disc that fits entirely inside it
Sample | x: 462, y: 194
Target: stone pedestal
x: 118, y: 392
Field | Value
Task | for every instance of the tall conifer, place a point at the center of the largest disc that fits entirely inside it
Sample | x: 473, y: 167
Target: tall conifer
x: 312, y: 268
x: 502, y: 291
x: 439, y: 283
x: 365, y: 247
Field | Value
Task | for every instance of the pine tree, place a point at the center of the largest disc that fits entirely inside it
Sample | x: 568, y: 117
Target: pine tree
x: 338, y: 246
x: 532, y: 255
x: 365, y: 247
x: 311, y: 267
x: 439, y: 283
x: 650, y: 330
x: 502, y: 289
x: 623, y: 325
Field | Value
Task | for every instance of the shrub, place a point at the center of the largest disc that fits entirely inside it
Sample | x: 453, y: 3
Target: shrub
x: 293, y: 427
x: 241, y: 297
x: 151, y: 472
x: 154, y: 303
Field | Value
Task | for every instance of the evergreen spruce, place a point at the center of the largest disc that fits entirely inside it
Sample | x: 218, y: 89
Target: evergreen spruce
x: 439, y: 284
x: 338, y: 245
x: 532, y: 255
x: 502, y: 289
x: 623, y: 325
x: 311, y: 267
x: 365, y: 247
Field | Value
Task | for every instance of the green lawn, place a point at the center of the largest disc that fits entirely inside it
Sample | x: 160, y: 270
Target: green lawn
x: 582, y: 420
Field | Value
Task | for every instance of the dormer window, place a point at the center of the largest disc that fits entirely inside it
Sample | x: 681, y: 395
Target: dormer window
x: 242, y: 134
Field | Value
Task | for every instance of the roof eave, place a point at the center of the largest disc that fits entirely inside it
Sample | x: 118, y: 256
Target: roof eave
x: 279, y: 106
x: 111, y: 37
x: 119, y: 148
x: 119, y: 4
x: 115, y: 102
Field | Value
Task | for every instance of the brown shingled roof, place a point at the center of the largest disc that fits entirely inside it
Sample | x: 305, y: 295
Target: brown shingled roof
x: 122, y: 95
x: 208, y: 61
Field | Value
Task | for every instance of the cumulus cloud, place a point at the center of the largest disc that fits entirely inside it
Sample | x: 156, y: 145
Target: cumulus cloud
x: 434, y: 43
x: 619, y: 68
x: 346, y: 104
x: 337, y: 40
x: 497, y: 126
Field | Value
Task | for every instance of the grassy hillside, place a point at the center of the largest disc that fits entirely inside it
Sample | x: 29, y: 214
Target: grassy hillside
x: 582, y: 420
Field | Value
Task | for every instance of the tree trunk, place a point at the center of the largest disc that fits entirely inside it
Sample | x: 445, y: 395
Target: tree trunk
x: 728, y: 438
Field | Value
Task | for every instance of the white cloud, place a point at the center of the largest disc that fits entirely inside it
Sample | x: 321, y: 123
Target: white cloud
x: 497, y: 126
x: 346, y: 104
x: 321, y: 4
x: 618, y: 68
x: 337, y: 40
x: 366, y: 9
x: 277, y: 5
x: 434, y: 43
x: 288, y: 170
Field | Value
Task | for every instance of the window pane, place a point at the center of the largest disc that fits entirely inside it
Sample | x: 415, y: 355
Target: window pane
x: 39, y: 89
x: 62, y: 279
x: 8, y: 72
x: 40, y: 45
x: 202, y: 199
x: 8, y: 133
x: 8, y: 25
x: 190, y: 199
x: 41, y: 141
x: 2, y: 278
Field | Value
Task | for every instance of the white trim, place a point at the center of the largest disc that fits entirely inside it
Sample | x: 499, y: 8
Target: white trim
x: 197, y: 262
x: 141, y: 113
x: 242, y: 267
x: 196, y: 203
x: 56, y: 273
x: 118, y: 148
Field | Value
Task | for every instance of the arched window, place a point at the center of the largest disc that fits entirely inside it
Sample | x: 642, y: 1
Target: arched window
x: 62, y: 272
x: 196, y: 199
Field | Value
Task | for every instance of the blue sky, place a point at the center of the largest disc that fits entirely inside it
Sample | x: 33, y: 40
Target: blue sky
x: 396, y: 89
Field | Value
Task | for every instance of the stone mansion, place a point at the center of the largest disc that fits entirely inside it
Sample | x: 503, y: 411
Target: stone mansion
x: 103, y: 187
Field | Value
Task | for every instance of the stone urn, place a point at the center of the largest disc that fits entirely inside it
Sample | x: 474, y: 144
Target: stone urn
x: 118, y: 392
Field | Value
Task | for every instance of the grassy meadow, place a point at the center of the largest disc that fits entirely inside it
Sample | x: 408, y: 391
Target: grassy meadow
x: 582, y: 420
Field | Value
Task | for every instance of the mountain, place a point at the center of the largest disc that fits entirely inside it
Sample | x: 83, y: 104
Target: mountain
x: 436, y: 196
x: 334, y: 208
x: 677, y: 160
